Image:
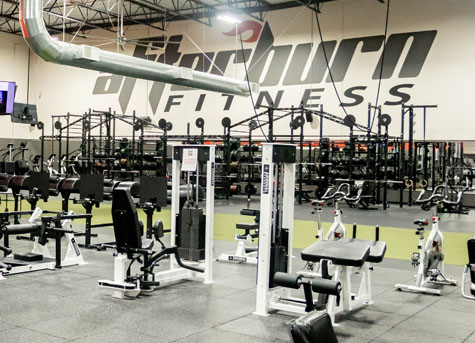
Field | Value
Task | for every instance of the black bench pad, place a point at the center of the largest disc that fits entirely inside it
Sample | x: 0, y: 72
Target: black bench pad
x: 250, y: 212
x: 353, y: 255
x: 18, y: 229
x: 247, y: 226
x: 377, y: 248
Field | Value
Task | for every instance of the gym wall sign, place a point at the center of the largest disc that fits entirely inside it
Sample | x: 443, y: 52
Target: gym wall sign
x: 289, y: 58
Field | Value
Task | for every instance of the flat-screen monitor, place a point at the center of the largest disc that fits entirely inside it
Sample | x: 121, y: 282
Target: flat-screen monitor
x: 23, y: 113
x: 7, y: 97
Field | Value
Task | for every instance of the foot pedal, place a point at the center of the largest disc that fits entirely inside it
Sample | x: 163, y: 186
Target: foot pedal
x: 28, y: 257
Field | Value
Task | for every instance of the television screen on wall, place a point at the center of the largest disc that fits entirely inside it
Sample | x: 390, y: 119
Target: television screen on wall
x: 7, y: 97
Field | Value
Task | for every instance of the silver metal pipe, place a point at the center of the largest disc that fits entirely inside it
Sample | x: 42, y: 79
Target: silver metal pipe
x: 93, y: 58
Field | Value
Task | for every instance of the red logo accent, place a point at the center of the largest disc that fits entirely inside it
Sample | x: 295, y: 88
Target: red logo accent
x: 246, y: 26
x: 22, y: 20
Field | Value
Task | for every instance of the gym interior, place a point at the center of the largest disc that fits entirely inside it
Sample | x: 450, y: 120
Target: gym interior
x: 237, y: 171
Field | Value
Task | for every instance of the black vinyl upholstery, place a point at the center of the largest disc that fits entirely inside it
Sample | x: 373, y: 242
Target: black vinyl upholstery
x: 127, y: 229
x: 377, y: 248
x: 354, y: 255
x: 18, y: 229
x: 471, y: 259
x: 314, y: 327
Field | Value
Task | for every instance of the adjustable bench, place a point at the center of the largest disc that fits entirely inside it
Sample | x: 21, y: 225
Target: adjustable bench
x: 246, y: 252
x: 342, y: 257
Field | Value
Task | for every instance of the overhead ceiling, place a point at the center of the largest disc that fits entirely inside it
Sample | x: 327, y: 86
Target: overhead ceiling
x: 78, y: 17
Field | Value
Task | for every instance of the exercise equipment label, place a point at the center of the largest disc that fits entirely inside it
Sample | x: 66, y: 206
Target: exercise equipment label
x: 265, y: 179
x: 190, y: 160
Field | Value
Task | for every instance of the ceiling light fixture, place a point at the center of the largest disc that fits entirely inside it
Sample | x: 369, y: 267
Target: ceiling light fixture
x: 228, y: 19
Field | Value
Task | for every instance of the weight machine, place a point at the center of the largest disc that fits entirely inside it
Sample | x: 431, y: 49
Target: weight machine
x: 189, y: 222
x: 276, y: 219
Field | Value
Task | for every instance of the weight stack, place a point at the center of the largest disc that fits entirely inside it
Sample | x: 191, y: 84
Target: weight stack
x: 192, y: 230
x: 278, y: 263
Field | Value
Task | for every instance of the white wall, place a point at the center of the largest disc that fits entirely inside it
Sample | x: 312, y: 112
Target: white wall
x: 446, y: 78
x: 14, y: 67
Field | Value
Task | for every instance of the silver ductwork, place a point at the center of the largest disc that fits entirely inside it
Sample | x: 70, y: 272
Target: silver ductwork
x: 89, y: 57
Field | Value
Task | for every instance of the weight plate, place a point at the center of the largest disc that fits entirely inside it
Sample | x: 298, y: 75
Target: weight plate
x: 162, y: 123
x: 349, y: 120
x: 226, y: 122
x: 385, y: 120
x: 200, y: 123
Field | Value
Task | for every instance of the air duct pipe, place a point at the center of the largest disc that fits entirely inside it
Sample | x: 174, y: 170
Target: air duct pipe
x: 89, y: 57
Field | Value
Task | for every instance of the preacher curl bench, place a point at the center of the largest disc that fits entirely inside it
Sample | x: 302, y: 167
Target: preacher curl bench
x: 128, y: 231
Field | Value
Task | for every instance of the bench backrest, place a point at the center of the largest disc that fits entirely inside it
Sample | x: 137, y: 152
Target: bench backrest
x: 127, y: 229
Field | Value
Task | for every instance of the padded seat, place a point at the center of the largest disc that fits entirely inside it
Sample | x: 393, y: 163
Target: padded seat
x: 377, y: 248
x: 247, y: 226
x: 353, y: 255
x: 250, y: 212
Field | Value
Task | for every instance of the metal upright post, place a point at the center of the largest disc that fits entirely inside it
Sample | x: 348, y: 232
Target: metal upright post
x: 411, y: 152
x: 175, y: 210
x: 299, y: 198
x: 270, y: 114
x: 210, y: 181
x: 291, y: 126
x: 265, y: 230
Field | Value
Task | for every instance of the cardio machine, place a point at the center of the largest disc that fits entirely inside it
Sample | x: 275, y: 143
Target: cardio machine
x: 430, y: 257
x: 337, y: 229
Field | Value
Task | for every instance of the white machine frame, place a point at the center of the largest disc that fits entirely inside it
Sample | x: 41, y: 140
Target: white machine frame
x: 175, y: 272
x: 267, y: 220
x: 280, y: 298
x: 422, y: 281
x: 241, y: 256
x: 73, y: 255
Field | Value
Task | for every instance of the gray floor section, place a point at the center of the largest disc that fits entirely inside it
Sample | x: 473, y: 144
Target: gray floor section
x: 67, y: 305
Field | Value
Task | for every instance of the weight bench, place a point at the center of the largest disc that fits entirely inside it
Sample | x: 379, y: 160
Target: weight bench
x: 44, y: 228
x: 343, y: 257
x: 246, y: 252
x: 128, y: 232
x: 469, y: 269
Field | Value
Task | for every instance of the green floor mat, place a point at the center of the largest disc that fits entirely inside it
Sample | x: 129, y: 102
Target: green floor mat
x: 401, y: 242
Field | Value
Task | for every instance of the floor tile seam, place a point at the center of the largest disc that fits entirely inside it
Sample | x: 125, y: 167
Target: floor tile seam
x: 12, y: 327
x: 89, y: 334
x: 403, y: 321
x: 56, y: 294
x: 44, y: 333
x: 216, y: 327
x: 114, y: 326
x: 470, y: 335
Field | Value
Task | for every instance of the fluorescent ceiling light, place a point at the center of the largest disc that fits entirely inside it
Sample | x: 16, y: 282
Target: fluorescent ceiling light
x: 228, y: 19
